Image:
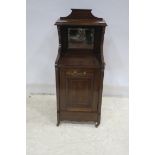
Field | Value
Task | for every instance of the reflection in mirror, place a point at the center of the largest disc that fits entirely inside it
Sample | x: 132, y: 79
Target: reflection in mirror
x: 81, y: 38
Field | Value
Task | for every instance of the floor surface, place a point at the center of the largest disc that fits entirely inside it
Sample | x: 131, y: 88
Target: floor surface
x: 45, y: 138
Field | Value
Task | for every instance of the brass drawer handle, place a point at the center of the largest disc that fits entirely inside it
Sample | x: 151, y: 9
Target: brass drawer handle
x: 84, y: 73
x: 76, y: 73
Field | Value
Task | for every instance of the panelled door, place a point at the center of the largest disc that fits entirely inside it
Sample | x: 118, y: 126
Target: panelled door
x: 79, y: 90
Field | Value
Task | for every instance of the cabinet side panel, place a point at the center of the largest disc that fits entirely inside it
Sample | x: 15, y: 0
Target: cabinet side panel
x: 100, y: 95
x: 58, y: 93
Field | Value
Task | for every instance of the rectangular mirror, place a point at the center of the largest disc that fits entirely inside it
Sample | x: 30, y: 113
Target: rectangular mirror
x: 80, y: 38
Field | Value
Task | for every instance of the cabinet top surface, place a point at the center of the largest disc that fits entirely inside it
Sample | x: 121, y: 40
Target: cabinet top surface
x: 82, y: 17
x: 75, y: 59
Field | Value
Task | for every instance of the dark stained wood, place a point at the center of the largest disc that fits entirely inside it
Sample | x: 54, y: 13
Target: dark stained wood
x: 78, y: 116
x: 83, y: 22
x: 80, y: 71
x: 79, y: 59
x: 81, y: 14
x: 78, y: 89
x: 81, y: 17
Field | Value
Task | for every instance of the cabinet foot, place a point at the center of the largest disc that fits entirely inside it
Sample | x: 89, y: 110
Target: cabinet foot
x: 58, y: 123
x: 97, y: 124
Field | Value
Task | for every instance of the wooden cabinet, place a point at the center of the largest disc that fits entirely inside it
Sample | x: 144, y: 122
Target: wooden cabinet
x: 80, y: 67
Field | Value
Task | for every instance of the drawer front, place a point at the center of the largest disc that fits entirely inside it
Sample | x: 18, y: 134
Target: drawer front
x: 79, y: 90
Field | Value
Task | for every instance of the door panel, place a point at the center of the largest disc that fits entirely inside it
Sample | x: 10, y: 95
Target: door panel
x: 78, y: 90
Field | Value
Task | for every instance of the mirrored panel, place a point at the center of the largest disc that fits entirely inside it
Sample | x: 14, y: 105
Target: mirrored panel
x: 81, y: 38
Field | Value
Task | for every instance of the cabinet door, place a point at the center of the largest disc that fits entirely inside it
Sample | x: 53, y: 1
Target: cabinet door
x: 78, y: 90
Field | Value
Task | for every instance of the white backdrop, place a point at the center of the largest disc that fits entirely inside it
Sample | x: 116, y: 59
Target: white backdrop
x: 42, y: 42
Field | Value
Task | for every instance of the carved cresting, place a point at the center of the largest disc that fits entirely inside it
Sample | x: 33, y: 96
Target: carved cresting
x: 76, y: 14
